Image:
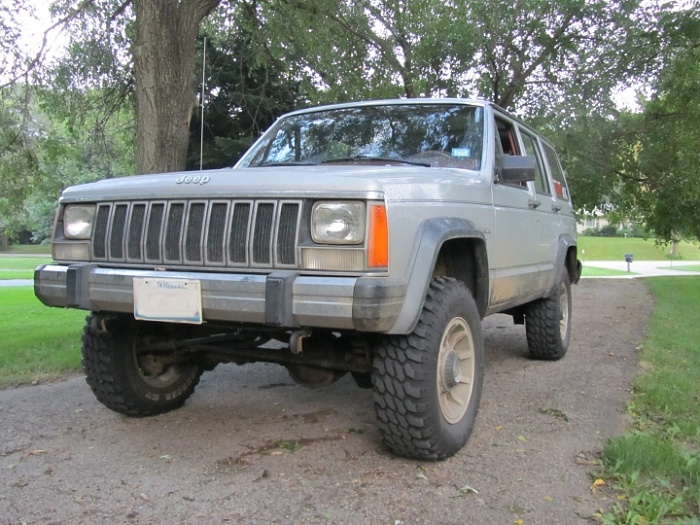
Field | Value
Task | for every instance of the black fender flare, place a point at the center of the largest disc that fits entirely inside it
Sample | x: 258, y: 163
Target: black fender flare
x: 563, y: 244
x: 432, y: 234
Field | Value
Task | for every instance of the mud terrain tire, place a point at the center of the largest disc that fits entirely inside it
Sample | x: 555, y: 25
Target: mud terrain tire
x: 427, y: 385
x: 122, y: 379
x: 548, y: 323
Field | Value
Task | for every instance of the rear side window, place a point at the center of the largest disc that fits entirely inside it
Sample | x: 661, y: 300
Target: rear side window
x: 560, y: 188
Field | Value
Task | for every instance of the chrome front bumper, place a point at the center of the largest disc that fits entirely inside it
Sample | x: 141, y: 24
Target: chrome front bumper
x: 281, y: 298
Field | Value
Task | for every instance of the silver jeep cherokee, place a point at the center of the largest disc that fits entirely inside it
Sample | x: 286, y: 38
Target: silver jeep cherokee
x: 368, y: 238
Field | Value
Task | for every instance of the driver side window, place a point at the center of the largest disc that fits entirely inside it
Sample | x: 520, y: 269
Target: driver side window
x: 507, y: 145
x: 506, y: 140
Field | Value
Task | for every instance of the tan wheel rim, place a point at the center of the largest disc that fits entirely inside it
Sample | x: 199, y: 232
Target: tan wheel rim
x: 156, y: 371
x: 455, y: 371
x: 564, y: 309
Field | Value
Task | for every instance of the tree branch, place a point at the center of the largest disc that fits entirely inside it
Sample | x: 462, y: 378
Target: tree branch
x: 44, y: 42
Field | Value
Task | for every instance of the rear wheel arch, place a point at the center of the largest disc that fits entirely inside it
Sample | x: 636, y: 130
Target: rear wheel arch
x: 566, y: 261
x: 573, y: 265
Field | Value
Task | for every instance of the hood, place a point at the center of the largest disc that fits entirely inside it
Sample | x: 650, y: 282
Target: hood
x: 278, y: 182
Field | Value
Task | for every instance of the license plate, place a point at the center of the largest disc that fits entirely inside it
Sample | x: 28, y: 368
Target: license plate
x: 168, y: 300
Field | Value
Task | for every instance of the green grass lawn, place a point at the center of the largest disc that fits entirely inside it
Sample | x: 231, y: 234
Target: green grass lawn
x: 592, y: 271
x: 20, y: 267
x: 655, y: 468
x: 37, y: 342
x: 615, y: 248
x: 28, y: 249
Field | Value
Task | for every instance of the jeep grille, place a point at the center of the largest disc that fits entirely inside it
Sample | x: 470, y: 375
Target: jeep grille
x: 238, y: 233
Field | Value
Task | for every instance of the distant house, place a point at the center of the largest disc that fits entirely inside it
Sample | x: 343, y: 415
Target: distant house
x: 587, y: 220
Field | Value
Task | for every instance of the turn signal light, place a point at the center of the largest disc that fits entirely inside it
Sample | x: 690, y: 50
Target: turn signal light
x: 378, y: 246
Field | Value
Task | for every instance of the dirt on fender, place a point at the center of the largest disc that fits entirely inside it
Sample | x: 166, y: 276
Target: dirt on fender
x: 251, y: 447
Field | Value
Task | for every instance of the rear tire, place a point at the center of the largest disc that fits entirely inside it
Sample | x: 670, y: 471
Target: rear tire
x: 548, y: 323
x: 128, y: 381
x: 427, y: 385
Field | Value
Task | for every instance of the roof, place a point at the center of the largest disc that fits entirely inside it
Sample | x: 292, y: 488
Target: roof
x: 396, y: 102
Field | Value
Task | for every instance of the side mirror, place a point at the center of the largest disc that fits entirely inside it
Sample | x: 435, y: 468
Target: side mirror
x: 515, y: 168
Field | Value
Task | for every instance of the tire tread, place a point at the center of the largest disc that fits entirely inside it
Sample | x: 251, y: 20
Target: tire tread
x: 542, y: 326
x: 406, y: 417
x: 109, y: 380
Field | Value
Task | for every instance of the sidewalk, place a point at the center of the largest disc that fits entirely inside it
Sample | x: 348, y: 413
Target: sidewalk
x: 642, y: 268
x: 16, y: 282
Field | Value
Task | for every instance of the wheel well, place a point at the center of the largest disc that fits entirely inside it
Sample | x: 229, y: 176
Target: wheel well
x: 572, y: 264
x: 465, y: 260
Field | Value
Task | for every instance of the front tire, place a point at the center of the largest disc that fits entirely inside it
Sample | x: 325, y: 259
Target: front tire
x: 427, y: 385
x: 127, y: 380
x: 548, y: 323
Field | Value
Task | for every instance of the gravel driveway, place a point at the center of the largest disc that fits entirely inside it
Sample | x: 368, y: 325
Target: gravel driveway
x: 251, y: 447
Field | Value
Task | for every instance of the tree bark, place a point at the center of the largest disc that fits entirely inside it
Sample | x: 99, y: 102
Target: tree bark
x: 165, y: 67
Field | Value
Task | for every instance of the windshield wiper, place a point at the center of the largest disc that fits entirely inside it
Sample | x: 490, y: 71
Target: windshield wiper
x: 287, y: 163
x: 378, y: 159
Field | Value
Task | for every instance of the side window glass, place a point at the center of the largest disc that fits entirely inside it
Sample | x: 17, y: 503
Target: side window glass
x: 560, y: 188
x: 507, y: 144
x: 541, y: 183
x: 506, y: 137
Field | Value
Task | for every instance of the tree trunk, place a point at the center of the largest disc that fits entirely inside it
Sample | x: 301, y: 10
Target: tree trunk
x: 165, y: 66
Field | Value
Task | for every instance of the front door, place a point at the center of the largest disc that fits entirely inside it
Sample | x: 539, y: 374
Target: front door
x: 518, y: 255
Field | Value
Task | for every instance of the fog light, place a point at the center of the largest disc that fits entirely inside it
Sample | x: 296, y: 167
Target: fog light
x: 333, y: 259
x: 74, y: 251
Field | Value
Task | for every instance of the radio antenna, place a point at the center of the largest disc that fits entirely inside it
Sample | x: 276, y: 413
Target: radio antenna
x: 201, y: 102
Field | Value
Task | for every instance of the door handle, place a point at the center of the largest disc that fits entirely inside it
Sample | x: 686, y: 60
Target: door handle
x: 533, y: 204
x: 556, y: 207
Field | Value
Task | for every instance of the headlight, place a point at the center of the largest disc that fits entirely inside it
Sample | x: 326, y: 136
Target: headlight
x: 338, y: 222
x: 77, y: 222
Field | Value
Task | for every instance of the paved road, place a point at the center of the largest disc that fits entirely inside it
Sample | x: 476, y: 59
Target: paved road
x: 250, y: 447
x: 645, y: 268
x: 16, y: 282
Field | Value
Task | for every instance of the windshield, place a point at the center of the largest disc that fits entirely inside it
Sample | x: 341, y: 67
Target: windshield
x: 429, y: 135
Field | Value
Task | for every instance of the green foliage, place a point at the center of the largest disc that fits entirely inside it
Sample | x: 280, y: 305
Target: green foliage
x: 656, y: 467
x: 247, y: 90
x: 46, y: 144
x: 99, y: 35
x: 609, y: 230
x: 643, y: 166
x: 542, y: 58
x: 556, y: 63
x: 19, y: 162
x: 71, y: 132
x: 648, y: 502
x: 12, y: 57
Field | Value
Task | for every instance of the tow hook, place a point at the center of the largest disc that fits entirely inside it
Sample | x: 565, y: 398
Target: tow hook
x: 295, y: 340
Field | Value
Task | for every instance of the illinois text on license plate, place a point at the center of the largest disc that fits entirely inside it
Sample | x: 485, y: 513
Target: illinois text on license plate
x: 169, y: 300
